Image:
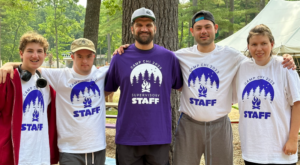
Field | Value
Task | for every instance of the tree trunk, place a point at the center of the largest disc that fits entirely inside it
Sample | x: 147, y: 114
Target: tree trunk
x: 195, y: 3
x: 262, y: 4
x: 231, y: 17
x: 91, y: 24
x: 246, y: 17
x: 189, y: 39
x: 181, y: 36
x: 166, y: 36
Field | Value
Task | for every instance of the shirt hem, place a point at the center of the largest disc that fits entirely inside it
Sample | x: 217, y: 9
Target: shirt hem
x: 83, y: 151
x: 143, y: 144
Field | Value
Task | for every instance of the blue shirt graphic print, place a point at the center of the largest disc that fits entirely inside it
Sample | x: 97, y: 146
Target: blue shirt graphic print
x: 201, y: 79
x: 257, y: 92
x: 83, y: 93
x: 33, y: 107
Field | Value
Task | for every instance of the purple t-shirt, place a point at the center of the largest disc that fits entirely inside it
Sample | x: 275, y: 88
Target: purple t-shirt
x: 145, y: 78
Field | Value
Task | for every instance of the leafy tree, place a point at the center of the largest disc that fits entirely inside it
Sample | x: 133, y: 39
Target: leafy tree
x: 57, y: 26
x: 13, y: 26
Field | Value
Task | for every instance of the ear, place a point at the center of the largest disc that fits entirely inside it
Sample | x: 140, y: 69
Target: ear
x: 192, y: 31
x: 216, y: 28
x: 155, y: 29
x: 248, y: 46
x: 272, y: 44
x: 21, y: 54
x: 131, y: 28
x: 72, y: 56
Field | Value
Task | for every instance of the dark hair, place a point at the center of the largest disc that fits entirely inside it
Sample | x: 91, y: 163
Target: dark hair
x: 260, y: 30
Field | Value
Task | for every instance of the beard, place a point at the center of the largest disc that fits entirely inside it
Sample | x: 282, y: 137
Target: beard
x: 143, y: 40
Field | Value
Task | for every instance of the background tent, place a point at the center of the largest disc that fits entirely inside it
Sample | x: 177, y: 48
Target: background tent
x: 283, y: 18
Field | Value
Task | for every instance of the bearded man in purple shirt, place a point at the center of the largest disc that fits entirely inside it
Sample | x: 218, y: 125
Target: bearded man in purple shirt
x: 145, y: 73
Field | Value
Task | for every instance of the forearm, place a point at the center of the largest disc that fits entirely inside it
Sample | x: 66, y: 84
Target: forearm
x: 295, y: 121
x: 13, y: 64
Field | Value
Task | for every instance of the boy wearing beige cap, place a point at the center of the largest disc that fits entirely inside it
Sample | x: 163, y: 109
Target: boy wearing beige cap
x: 80, y: 104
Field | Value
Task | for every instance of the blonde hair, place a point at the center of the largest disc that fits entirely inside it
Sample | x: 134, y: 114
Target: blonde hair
x: 260, y: 30
x: 33, y: 37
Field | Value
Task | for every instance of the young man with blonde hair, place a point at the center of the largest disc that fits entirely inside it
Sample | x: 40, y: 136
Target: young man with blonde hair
x: 27, y: 109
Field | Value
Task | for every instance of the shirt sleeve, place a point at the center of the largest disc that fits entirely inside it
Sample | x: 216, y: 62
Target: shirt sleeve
x: 52, y: 76
x: 177, y: 75
x: 112, y: 81
x: 292, y: 88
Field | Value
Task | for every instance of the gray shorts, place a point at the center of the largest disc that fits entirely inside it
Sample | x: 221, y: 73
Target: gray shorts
x: 194, y: 138
x: 96, y: 158
x: 143, y: 155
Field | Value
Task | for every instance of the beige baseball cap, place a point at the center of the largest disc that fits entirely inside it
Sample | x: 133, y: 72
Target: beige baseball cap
x: 82, y: 43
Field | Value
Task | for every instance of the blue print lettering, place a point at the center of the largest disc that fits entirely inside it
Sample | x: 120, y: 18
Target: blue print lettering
x: 32, y: 127
x: 86, y: 112
x: 258, y: 91
x: 201, y: 102
x: 257, y: 115
x: 204, y: 79
x: 83, y: 94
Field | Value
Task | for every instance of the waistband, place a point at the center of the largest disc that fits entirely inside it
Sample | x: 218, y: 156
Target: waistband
x: 220, y: 120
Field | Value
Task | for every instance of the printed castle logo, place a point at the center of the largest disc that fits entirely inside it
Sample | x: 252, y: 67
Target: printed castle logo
x: 256, y: 103
x: 83, y: 92
x: 146, y: 86
x: 147, y: 75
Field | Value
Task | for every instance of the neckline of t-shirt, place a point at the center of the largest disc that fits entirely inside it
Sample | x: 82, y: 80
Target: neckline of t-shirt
x: 265, y: 66
x: 209, y: 53
x: 76, y: 75
x: 145, y: 51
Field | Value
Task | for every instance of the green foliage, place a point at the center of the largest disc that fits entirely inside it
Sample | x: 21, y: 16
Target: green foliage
x: 222, y: 14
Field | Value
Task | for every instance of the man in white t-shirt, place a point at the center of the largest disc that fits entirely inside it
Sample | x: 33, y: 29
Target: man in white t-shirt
x: 80, y: 104
x: 208, y: 71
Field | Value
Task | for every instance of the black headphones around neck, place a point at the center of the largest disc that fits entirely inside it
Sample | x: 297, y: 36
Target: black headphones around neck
x: 26, y: 75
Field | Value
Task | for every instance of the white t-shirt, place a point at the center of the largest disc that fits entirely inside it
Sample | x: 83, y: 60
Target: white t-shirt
x: 207, y: 88
x: 34, y: 145
x: 266, y: 94
x: 80, y: 109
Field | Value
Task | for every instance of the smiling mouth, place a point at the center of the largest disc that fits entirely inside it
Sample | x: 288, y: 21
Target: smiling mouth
x: 35, y: 60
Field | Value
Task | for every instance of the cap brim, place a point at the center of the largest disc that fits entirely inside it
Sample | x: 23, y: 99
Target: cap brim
x: 143, y: 16
x: 83, y: 48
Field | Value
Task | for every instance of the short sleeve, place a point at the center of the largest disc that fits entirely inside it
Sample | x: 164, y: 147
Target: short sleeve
x: 112, y: 77
x: 52, y: 76
x: 292, y: 86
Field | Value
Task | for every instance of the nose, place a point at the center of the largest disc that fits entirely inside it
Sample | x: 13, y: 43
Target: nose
x: 203, y: 31
x: 35, y: 54
x: 144, y: 28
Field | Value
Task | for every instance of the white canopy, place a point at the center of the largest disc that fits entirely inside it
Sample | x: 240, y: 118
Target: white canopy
x: 283, y: 18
